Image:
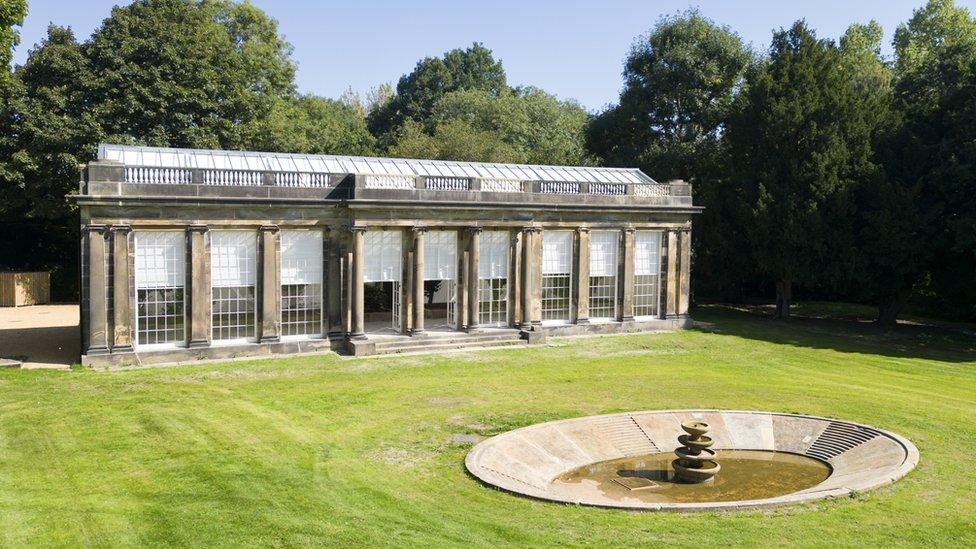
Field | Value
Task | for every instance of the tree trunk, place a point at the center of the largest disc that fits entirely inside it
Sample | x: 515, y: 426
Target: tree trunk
x: 890, y: 307
x: 784, y: 295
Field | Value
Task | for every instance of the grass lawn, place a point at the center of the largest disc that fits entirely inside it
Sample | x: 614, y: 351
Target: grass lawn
x: 326, y: 450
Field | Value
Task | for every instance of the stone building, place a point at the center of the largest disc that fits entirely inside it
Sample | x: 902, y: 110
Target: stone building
x: 197, y: 254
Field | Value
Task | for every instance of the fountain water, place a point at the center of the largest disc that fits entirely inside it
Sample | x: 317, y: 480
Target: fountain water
x: 696, y: 462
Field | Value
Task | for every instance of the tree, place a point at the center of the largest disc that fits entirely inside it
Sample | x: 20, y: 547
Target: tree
x: 524, y: 125
x: 314, y: 125
x: 473, y: 68
x: 679, y: 82
x: 800, y: 138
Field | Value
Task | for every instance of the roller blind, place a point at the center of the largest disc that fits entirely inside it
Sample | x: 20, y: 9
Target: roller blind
x: 440, y: 255
x: 494, y: 252
x: 382, y: 251
x: 603, y: 253
x: 159, y: 261
x: 647, y: 253
x: 301, y: 257
x: 232, y: 258
x: 557, y: 252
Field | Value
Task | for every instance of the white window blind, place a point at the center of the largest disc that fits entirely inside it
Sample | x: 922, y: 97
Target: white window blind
x: 159, y: 261
x: 440, y: 255
x: 603, y: 253
x: 232, y: 258
x: 382, y: 251
x: 301, y: 257
x: 557, y: 252
x: 494, y: 252
x: 647, y: 253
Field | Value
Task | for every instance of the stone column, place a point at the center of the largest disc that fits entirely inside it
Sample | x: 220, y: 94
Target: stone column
x: 581, y: 297
x: 97, y: 291
x: 684, y: 287
x: 531, y: 278
x: 419, y: 237
x: 270, y: 327
x: 474, y: 259
x: 122, y: 339
x: 334, y: 280
x: 199, y: 282
x: 357, y: 275
x: 671, y: 291
x: 626, y: 287
x: 514, y: 278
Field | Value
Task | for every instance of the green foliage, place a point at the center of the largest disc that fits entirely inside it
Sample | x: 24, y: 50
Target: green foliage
x: 524, y: 125
x: 12, y: 13
x: 473, y: 68
x: 679, y: 83
x: 313, y: 125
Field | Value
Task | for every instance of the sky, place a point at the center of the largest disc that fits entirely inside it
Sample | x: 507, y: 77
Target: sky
x: 570, y: 48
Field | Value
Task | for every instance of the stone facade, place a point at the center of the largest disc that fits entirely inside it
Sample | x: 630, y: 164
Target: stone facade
x: 118, y: 202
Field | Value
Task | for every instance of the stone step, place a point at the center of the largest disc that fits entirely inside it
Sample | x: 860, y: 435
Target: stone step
x: 427, y: 341
x: 451, y: 346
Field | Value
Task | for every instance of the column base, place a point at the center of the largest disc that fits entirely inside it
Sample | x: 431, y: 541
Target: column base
x: 123, y: 349
x: 627, y: 319
x: 269, y: 339
x: 472, y: 329
x: 418, y: 333
x: 671, y: 316
x: 97, y: 350
x: 197, y: 343
x: 582, y: 320
x: 357, y: 336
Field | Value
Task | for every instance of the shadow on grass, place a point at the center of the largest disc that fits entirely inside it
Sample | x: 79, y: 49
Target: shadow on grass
x: 849, y: 336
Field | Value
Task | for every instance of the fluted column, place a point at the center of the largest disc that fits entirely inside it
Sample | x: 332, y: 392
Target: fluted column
x: 419, y: 238
x: 474, y: 259
x: 671, y: 291
x: 581, y: 297
x: 270, y: 322
x: 626, y: 291
x: 358, y: 286
x: 97, y: 291
x: 684, y: 288
x: 122, y: 321
x: 199, y: 286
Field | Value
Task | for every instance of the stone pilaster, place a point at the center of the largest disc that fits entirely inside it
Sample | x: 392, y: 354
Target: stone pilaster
x: 357, y: 275
x: 270, y: 326
x: 122, y: 322
x: 97, y: 291
x: 514, y: 278
x: 334, y: 278
x: 531, y: 278
x: 474, y: 259
x: 581, y: 288
x: 626, y: 286
x: 199, y: 282
x: 417, y: 279
x: 684, y: 287
x: 671, y: 291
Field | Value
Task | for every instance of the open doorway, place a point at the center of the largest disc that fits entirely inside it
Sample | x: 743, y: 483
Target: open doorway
x: 381, y: 281
x: 440, y: 280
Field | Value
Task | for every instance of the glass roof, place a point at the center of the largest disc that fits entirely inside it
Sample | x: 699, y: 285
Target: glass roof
x: 159, y: 157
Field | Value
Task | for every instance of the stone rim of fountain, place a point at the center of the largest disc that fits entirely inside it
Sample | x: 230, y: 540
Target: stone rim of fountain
x: 843, y: 480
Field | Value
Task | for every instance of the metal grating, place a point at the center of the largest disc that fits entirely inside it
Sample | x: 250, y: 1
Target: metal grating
x: 838, y: 438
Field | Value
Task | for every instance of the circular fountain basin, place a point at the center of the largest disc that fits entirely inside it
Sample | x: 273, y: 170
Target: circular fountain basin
x: 623, y: 460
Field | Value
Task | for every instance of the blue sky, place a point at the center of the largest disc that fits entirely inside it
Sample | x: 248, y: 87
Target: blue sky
x: 570, y: 48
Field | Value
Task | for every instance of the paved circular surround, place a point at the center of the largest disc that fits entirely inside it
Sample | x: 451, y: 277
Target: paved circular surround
x: 526, y: 461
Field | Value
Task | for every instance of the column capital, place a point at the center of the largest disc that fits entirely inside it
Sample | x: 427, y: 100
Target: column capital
x: 420, y: 229
x: 121, y: 229
x: 628, y: 229
x: 268, y: 228
x: 474, y: 230
x: 95, y: 229
x: 357, y: 228
x: 197, y: 228
x: 582, y: 230
x: 531, y: 229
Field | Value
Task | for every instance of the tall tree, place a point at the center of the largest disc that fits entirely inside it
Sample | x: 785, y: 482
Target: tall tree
x: 474, y: 68
x: 799, y: 140
x: 12, y: 13
x: 679, y: 81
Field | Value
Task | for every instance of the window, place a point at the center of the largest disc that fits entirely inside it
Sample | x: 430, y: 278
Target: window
x: 301, y: 283
x: 603, y: 274
x: 493, y: 278
x: 557, y: 261
x: 233, y: 264
x: 647, y: 274
x: 159, y: 281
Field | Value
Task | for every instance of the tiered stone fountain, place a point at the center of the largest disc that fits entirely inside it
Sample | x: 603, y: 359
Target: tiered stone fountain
x: 696, y: 462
